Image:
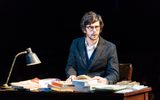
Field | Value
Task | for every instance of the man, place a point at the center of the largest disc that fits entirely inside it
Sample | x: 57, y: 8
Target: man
x: 92, y: 55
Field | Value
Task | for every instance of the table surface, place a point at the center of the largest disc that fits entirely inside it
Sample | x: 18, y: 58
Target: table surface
x: 147, y: 89
x: 25, y: 95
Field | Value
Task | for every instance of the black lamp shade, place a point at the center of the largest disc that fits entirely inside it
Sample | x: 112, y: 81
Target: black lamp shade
x: 32, y: 59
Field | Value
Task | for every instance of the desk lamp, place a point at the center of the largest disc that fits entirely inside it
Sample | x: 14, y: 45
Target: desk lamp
x: 31, y: 59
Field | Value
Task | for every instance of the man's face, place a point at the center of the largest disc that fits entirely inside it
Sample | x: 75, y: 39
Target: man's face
x: 93, y: 30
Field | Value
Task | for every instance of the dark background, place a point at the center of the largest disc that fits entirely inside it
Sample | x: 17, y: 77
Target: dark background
x: 49, y: 27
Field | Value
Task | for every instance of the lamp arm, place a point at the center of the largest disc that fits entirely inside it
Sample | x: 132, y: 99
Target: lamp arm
x: 24, y: 52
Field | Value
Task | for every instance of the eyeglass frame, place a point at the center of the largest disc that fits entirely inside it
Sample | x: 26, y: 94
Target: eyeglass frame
x: 91, y: 28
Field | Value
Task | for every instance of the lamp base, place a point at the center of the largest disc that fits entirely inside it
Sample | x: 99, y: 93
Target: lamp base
x: 6, y: 87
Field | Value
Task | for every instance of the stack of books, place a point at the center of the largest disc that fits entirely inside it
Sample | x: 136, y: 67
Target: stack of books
x: 61, y: 86
x: 84, y: 85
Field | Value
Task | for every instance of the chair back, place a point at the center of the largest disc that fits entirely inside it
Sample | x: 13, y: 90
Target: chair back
x: 125, y: 71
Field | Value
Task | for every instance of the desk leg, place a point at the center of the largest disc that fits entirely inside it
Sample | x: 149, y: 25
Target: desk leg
x: 146, y: 96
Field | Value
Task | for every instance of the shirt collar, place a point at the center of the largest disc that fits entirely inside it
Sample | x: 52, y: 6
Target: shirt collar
x: 95, y: 45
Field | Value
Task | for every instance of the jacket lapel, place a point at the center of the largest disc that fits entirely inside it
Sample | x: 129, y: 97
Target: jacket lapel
x: 82, y: 50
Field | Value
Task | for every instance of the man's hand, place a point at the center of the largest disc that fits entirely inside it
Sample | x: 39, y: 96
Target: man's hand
x: 101, y: 80
x: 72, y: 77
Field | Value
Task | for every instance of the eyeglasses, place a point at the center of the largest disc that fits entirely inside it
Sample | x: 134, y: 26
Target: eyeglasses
x: 91, y: 28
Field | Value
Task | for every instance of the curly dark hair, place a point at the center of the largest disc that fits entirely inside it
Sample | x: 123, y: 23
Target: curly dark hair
x: 89, y: 18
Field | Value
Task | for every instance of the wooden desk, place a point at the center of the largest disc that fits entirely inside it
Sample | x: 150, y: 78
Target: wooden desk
x: 27, y: 95
x: 136, y: 95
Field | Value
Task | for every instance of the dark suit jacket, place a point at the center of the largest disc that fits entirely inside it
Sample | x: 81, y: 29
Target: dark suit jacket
x: 103, y: 62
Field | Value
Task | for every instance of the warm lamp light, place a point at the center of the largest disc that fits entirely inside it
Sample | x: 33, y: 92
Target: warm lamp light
x: 31, y: 59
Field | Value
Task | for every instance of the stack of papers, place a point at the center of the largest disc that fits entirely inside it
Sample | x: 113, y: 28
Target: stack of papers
x: 27, y: 84
x: 109, y: 87
x: 118, y: 88
x: 132, y: 88
x: 33, y: 84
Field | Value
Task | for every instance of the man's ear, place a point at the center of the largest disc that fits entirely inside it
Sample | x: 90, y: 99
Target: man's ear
x: 84, y: 31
